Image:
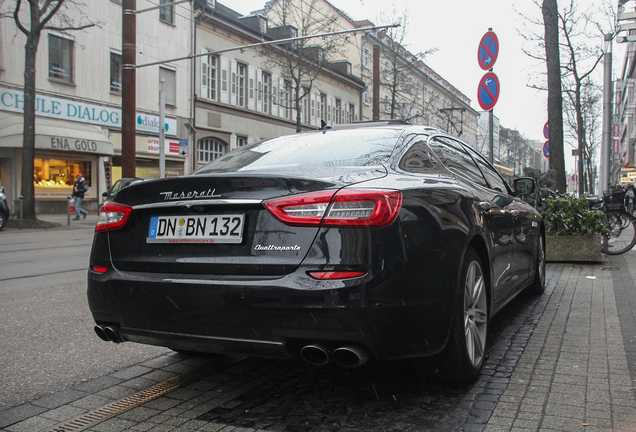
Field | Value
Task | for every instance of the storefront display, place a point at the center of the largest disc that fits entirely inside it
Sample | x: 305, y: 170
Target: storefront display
x: 55, y: 173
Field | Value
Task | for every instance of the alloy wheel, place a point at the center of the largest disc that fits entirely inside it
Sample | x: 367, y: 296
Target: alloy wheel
x: 475, y: 314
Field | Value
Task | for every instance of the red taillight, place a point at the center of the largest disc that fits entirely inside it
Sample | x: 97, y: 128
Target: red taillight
x: 99, y: 269
x: 349, y: 207
x: 112, y: 216
x: 330, y: 275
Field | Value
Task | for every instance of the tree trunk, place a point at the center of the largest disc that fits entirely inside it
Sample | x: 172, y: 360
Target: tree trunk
x: 555, y: 100
x: 28, y: 144
x: 298, y: 107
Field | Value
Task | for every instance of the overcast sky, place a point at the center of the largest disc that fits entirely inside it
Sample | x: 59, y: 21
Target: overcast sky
x: 455, y: 29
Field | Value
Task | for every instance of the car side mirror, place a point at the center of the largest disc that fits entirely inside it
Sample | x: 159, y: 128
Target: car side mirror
x: 105, y: 194
x: 524, y: 186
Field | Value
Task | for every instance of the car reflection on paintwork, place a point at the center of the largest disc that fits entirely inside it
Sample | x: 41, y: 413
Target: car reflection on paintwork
x: 360, y: 242
x: 119, y: 185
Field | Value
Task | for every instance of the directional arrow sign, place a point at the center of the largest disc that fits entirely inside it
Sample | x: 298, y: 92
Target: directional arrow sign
x: 488, y: 50
x: 488, y: 91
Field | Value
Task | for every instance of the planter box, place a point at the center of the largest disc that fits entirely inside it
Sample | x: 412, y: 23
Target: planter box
x: 573, y: 248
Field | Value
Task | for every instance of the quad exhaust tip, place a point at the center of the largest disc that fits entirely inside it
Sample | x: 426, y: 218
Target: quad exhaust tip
x: 108, y: 333
x: 315, y: 354
x: 348, y: 355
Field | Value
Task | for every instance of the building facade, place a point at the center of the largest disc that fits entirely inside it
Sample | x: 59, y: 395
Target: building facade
x: 245, y: 95
x: 79, y: 97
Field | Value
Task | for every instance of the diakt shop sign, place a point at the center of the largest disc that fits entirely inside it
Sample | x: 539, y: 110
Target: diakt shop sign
x: 63, y: 109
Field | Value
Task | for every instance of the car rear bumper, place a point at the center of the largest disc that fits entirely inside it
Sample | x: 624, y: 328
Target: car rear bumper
x: 273, y: 316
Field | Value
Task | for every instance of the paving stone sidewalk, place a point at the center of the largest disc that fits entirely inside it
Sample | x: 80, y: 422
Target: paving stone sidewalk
x: 574, y: 374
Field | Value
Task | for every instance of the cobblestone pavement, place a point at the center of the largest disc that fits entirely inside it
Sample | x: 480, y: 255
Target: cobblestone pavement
x: 560, y: 362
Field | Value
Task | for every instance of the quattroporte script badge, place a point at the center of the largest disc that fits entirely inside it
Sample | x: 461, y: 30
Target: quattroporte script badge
x: 276, y: 248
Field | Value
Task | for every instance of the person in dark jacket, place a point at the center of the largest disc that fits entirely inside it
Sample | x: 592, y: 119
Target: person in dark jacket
x: 78, y: 193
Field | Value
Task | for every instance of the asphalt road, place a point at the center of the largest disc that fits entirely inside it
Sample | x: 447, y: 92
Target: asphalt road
x: 46, y: 330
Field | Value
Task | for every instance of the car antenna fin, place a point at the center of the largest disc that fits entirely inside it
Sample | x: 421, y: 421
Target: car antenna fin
x: 324, y: 126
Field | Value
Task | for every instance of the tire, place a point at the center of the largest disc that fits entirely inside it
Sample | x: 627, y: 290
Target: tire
x: 463, y: 357
x: 537, y: 287
x: 2, y: 221
x: 622, y: 235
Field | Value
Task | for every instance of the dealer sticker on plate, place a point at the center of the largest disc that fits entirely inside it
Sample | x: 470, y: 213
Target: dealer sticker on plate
x: 227, y: 228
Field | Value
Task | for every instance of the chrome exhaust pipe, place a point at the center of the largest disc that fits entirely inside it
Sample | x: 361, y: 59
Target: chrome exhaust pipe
x: 350, y: 356
x: 315, y: 354
x: 112, y: 333
x: 101, y: 333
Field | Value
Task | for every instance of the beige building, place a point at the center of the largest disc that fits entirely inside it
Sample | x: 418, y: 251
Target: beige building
x: 245, y: 95
x: 79, y: 97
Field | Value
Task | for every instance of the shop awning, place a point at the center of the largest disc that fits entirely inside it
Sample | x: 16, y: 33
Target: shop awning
x: 54, y: 134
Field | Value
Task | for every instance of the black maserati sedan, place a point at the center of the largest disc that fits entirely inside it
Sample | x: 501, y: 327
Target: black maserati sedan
x: 383, y: 241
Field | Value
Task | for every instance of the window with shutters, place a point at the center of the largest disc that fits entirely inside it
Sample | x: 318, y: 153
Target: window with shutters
x: 267, y: 85
x: 241, y: 79
x: 209, y: 72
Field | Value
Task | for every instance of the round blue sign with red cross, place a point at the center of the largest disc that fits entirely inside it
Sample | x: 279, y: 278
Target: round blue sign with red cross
x: 488, y: 50
x: 546, y: 149
x: 488, y: 91
x: 546, y: 130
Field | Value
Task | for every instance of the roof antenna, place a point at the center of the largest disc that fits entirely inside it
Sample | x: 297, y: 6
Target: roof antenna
x: 324, y: 126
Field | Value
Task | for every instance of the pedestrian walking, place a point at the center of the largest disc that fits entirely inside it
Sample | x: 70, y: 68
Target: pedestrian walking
x: 78, y: 193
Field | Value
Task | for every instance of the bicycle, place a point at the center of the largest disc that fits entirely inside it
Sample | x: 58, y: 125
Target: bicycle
x: 621, y: 223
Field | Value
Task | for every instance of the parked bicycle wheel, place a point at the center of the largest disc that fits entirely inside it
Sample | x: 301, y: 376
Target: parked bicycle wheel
x: 622, y: 235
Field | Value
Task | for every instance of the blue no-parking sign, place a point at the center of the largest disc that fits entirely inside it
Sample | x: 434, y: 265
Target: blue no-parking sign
x: 488, y: 50
x: 488, y: 91
x: 546, y: 149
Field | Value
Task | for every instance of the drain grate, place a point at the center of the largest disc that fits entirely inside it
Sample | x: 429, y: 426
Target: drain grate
x: 113, y: 409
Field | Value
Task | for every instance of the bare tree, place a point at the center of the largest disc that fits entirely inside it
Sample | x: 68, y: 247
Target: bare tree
x: 577, y: 55
x: 302, y: 61
x: 31, y: 17
x: 555, y: 100
x: 400, y: 70
x: 586, y: 120
x: 582, y: 58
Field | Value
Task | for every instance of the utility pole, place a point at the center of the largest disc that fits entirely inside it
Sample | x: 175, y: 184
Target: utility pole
x: 604, y: 181
x: 376, y: 82
x: 129, y: 88
x: 162, y: 128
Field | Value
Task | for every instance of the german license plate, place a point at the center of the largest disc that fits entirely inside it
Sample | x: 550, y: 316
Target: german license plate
x: 227, y: 228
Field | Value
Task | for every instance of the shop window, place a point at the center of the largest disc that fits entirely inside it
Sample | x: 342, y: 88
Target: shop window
x: 166, y: 13
x: 209, y: 149
x: 115, y: 72
x: 169, y: 86
x: 59, y: 173
x: 60, y: 58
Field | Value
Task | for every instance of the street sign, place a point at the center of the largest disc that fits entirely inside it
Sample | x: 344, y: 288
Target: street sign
x: 488, y: 50
x: 575, y: 178
x: 546, y: 131
x: 183, y: 148
x: 488, y: 91
x: 546, y: 149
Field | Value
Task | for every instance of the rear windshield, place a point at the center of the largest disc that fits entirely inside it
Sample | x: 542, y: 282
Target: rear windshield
x: 343, y: 148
